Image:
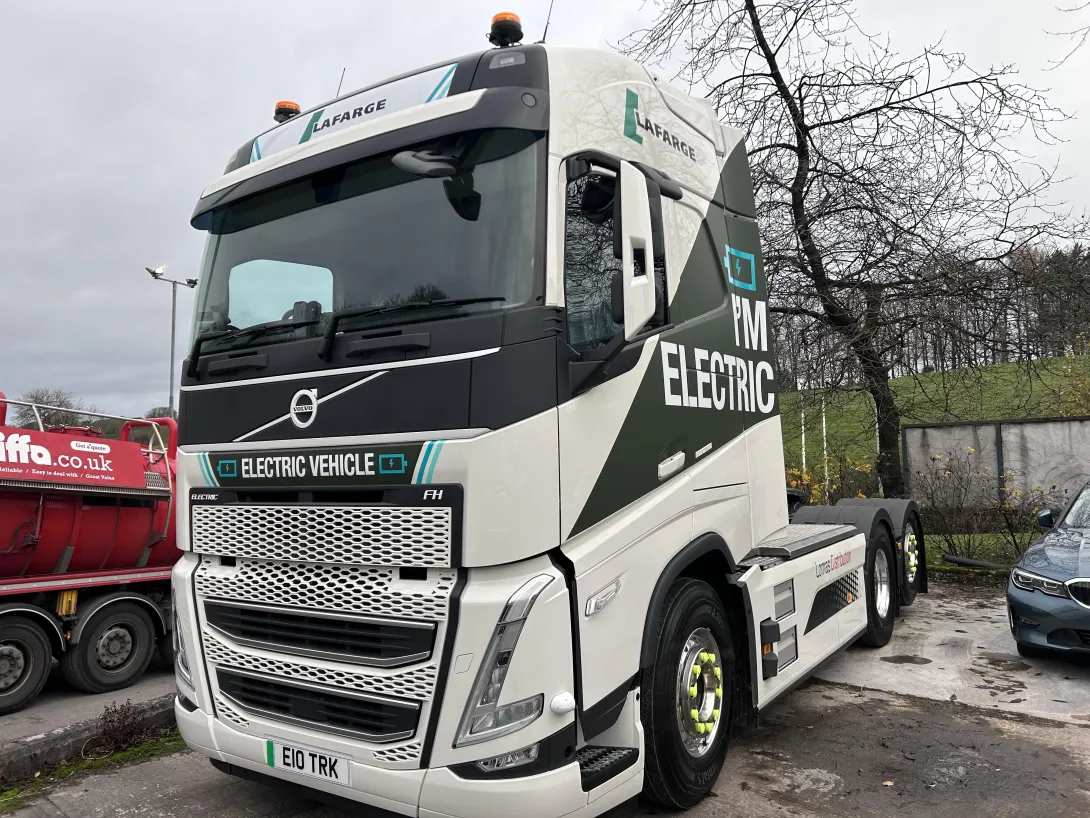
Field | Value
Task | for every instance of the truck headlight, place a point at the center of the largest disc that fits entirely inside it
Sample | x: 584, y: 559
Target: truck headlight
x: 1033, y: 582
x: 484, y: 719
x: 181, y: 660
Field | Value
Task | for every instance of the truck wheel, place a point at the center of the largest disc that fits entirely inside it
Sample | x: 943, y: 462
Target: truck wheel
x: 114, y: 650
x: 881, y: 577
x: 913, y: 545
x: 25, y: 659
x: 685, y: 702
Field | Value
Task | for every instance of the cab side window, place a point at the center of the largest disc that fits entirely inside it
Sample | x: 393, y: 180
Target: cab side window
x: 591, y: 259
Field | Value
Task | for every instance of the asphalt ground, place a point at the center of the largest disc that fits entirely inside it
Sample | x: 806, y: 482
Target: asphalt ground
x: 946, y: 721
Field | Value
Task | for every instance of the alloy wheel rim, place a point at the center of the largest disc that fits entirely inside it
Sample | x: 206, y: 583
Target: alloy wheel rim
x: 699, y: 693
x: 882, y: 585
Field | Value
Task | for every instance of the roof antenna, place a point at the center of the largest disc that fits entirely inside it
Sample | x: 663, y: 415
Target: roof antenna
x: 548, y: 18
x: 339, y: 84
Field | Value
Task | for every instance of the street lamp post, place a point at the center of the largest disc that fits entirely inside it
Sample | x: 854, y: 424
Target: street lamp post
x: 159, y: 274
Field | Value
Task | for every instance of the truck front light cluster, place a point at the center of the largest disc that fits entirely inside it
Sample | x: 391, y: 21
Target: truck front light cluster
x: 519, y: 758
x: 484, y: 718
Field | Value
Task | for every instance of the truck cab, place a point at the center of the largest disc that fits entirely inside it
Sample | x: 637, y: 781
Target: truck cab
x: 481, y: 489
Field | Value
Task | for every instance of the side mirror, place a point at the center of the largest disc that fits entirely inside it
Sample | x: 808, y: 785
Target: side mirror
x: 462, y: 197
x: 636, y: 246
x: 1044, y: 518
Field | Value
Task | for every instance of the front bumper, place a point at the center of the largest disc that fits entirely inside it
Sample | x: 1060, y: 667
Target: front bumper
x: 428, y: 793
x: 1048, y: 621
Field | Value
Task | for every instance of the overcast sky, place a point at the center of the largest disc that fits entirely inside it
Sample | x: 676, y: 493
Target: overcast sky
x: 119, y: 113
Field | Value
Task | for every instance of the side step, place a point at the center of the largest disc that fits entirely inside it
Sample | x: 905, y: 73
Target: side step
x: 599, y: 764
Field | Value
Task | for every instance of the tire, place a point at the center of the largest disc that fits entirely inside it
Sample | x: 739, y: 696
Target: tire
x: 682, y: 764
x: 25, y: 660
x: 913, y: 544
x: 114, y: 649
x: 1028, y: 651
x: 880, y: 573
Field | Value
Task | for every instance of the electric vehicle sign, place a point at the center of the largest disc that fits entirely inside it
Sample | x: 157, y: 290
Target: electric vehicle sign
x: 354, y: 465
x: 29, y: 455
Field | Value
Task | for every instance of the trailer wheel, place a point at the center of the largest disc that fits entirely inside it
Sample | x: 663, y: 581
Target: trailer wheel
x: 25, y: 659
x: 913, y: 546
x: 880, y: 574
x: 114, y: 651
x: 686, y: 696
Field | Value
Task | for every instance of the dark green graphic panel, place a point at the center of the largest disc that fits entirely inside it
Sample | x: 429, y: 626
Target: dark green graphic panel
x: 694, y: 396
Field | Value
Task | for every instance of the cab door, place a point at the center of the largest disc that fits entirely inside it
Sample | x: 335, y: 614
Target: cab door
x: 626, y: 505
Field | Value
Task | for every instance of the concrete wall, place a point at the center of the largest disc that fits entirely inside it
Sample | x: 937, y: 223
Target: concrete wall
x: 1038, y: 454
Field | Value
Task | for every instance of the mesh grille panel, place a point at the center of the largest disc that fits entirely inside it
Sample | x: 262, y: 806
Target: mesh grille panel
x: 418, y: 683
x: 833, y: 598
x: 346, y: 535
x: 369, y: 591
x: 229, y: 714
x: 409, y: 752
x: 154, y: 480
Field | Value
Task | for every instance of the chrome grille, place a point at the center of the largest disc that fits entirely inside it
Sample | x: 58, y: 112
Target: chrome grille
x: 1080, y: 591
x: 374, y: 591
x: 418, y: 683
x: 345, y: 535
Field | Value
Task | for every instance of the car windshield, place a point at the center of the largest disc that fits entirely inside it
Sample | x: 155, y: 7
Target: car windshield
x: 1078, y: 516
x: 370, y: 235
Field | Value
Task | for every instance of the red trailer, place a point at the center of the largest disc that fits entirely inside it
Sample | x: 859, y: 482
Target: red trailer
x: 86, y: 550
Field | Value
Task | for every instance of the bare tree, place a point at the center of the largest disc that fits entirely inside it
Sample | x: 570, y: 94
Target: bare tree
x: 68, y: 409
x: 886, y: 186
x: 1078, y: 35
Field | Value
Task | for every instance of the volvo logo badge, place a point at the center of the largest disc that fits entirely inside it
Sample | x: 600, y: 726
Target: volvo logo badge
x: 304, y: 407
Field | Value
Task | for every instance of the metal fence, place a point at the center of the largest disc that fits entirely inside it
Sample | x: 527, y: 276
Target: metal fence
x: 1034, y: 453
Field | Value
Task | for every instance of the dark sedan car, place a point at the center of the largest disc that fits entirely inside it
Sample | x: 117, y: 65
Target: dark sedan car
x: 1048, y: 595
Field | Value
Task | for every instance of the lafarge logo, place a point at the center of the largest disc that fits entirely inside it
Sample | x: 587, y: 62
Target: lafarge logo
x: 304, y: 407
x: 634, y: 122
x: 833, y: 564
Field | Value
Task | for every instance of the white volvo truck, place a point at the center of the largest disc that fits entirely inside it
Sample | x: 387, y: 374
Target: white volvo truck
x: 481, y: 486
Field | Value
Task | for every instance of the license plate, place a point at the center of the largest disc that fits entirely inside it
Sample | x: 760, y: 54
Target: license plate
x: 308, y: 762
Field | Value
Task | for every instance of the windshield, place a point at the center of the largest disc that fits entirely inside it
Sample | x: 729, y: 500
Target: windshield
x: 1078, y: 516
x: 369, y: 235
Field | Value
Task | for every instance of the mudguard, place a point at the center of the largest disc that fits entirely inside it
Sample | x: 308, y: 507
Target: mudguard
x: 902, y: 512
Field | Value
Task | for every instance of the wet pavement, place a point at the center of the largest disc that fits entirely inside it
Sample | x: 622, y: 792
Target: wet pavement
x: 957, y: 739
x: 955, y: 643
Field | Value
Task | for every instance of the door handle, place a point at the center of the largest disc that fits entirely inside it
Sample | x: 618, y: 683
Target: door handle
x: 671, y: 465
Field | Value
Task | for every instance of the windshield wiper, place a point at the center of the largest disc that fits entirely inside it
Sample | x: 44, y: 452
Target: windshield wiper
x: 325, y: 352
x: 246, y: 332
